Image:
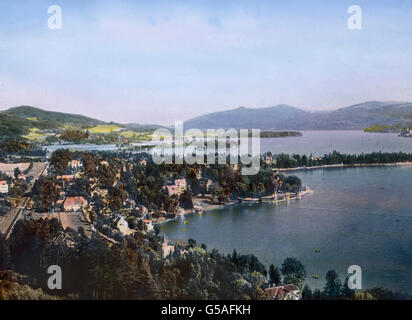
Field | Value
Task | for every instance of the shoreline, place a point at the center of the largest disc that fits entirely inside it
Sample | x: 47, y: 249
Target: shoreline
x: 342, y: 165
x: 284, y: 198
x: 200, y: 208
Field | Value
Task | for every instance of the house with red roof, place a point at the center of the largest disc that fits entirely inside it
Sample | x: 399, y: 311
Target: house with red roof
x: 74, y: 203
x: 285, y: 292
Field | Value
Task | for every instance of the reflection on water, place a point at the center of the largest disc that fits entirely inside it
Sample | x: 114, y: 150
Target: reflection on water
x: 357, y: 216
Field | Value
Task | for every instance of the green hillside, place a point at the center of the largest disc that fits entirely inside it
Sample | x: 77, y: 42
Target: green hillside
x: 13, y: 126
x: 38, y: 115
x: 19, y: 120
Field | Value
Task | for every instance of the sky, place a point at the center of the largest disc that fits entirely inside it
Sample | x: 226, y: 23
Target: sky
x: 162, y: 61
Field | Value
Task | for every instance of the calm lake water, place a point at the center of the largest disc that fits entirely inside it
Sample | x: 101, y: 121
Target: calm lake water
x: 360, y: 216
x: 320, y: 142
x: 316, y: 142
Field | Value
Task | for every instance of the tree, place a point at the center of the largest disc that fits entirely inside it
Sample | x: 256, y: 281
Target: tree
x: 307, y: 293
x: 346, y: 292
x: 274, y: 275
x: 294, y: 272
x: 191, y: 242
x: 156, y: 229
x: 293, y: 184
x: 317, y: 294
x: 292, y: 266
x: 60, y: 159
x: 333, y: 285
x: 71, y: 135
x: 5, y: 259
x: 186, y: 201
x: 17, y: 172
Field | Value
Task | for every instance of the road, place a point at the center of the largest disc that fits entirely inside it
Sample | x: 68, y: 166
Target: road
x: 8, y: 221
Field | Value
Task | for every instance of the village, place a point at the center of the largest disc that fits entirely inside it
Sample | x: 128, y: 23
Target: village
x: 114, y: 197
x: 120, y: 196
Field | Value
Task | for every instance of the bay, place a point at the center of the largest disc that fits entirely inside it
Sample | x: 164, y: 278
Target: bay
x: 356, y: 216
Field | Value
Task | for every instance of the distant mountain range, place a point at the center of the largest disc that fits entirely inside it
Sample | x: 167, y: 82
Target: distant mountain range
x: 18, y: 120
x: 285, y: 117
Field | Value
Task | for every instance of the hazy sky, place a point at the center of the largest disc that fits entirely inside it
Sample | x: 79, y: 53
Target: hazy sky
x: 161, y: 61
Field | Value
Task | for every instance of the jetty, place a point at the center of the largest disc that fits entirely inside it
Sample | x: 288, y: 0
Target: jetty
x: 278, y: 197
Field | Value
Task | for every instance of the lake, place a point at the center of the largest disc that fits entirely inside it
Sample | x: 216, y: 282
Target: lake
x: 316, y: 142
x: 320, y: 142
x: 356, y: 216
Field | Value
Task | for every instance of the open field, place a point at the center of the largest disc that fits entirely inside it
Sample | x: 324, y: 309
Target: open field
x: 37, y: 134
x: 105, y: 128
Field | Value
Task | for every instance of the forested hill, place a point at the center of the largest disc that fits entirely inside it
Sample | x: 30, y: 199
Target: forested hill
x: 18, y: 120
x: 32, y: 113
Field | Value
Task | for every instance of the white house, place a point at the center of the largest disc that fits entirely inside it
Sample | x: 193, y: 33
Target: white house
x: 75, y: 164
x: 123, y: 226
x: 4, y: 187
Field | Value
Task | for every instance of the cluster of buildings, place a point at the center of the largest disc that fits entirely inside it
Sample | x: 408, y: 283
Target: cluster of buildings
x: 9, y: 170
x: 179, y: 186
x: 130, y: 215
x: 176, y: 188
x: 285, y: 292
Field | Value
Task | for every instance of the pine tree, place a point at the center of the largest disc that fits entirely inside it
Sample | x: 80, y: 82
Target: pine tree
x: 274, y: 275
